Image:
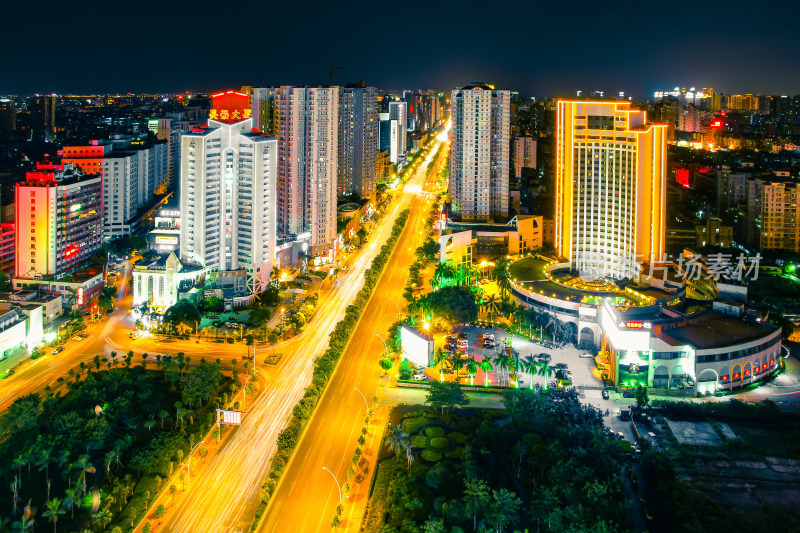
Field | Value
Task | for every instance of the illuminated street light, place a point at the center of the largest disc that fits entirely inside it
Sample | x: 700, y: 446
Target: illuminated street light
x: 337, y: 482
x: 365, y: 398
x: 384, y: 345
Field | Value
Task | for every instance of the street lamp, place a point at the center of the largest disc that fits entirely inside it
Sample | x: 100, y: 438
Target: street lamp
x: 189, y: 462
x: 384, y: 345
x: 244, y: 388
x: 337, y: 482
x: 282, y: 312
x: 365, y: 398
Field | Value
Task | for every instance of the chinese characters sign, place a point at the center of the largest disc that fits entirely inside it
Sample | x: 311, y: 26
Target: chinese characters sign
x: 230, y: 106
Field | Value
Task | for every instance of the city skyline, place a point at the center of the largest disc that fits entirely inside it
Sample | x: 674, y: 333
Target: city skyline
x: 534, y: 49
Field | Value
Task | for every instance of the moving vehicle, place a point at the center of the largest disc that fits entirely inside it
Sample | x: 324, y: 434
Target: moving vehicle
x: 586, y: 355
x: 58, y: 350
x: 605, y: 394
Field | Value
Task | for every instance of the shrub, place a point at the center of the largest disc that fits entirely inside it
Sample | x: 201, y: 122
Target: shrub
x: 455, y: 453
x: 431, y: 456
x: 439, y: 443
x: 419, y: 441
x: 457, y: 438
x: 434, y: 431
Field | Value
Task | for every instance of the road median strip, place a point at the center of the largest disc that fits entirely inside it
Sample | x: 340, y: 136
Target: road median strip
x: 324, y: 367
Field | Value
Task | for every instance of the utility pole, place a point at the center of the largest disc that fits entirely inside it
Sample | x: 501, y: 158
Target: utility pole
x: 331, y: 68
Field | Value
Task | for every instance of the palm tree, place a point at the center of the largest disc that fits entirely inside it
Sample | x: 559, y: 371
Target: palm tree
x: 397, y: 440
x: 501, y: 363
x: 440, y: 358
x: 84, y: 466
x: 44, y: 458
x: 545, y: 371
x: 490, y: 305
x: 501, y: 276
x: 23, y: 524
x: 14, y: 496
x: 457, y: 364
x: 529, y: 366
x: 19, y: 461
x: 472, y: 369
x: 103, y: 517
x: 486, y: 366
x: 53, y: 510
x: 72, y: 499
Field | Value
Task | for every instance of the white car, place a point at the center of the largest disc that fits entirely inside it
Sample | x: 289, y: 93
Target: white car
x: 586, y: 355
x: 418, y: 377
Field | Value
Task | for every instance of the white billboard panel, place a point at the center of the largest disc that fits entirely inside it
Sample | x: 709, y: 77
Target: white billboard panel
x: 417, y: 347
x: 229, y: 417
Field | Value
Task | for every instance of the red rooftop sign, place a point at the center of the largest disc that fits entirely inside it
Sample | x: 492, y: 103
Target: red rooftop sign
x: 230, y: 106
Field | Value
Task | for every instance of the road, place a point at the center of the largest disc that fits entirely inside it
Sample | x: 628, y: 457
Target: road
x: 307, y: 496
x: 226, y: 494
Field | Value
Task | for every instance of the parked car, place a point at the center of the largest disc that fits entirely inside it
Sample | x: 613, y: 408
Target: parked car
x: 586, y: 355
x: 418, y: 377
x: 463, y: 335
x: 605, y: 394
x: 628, y: 394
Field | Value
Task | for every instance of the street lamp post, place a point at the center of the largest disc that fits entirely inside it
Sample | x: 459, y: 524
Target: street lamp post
x: 189, y: 462
x: 282, y: 313
x: 336, y: 480
x: 244, y: 388
x: 384, y: 344
x: 365, y: 398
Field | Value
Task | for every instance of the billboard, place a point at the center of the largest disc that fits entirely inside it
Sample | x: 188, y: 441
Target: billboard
x: 80, y: 296
x: 417, y: 347
x: 166, y: 240
x: 229, y: 417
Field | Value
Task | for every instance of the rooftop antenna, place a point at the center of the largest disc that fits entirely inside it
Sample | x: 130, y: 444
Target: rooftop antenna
x: 331, y: 68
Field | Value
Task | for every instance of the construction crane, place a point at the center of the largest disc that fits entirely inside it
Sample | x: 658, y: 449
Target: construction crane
x: 331, y: 68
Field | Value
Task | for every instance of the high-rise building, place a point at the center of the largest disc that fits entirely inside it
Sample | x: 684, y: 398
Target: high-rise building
x: 59, y: 221
x: 610, y: 187
x: 8, y: 115
x: 398, y: 111
x: 131, y: 172
x: 228, y: 197
x: 524, y: 153
x: 358, y: 141
x: 389, y: 137
x: 43, y: 116
x: 776, y: 211
x: 307, y: 120
x: 170, y: 129
x: 262, y: 105
x: 479, y: 155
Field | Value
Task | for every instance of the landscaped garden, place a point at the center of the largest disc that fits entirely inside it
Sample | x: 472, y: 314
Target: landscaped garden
x: 542, y: 464
x: 96, y: 449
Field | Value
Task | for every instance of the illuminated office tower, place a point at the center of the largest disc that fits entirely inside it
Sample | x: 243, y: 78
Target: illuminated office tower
x: 610, y: 187
x: 479, y: 155
x: 228, y: 194
x: 306, y: 122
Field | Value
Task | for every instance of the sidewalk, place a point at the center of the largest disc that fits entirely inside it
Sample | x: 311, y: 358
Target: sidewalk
x: 356, y: 500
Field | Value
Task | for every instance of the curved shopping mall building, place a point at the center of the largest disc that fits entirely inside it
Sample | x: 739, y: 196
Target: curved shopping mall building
x: 662, y: 333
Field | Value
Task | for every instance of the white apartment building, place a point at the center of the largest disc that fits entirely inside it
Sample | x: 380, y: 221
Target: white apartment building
x: 399, y: 111
x: 131, y: 172
x: 479, y: 155
x: 228, y: 180
x: 307, y: 120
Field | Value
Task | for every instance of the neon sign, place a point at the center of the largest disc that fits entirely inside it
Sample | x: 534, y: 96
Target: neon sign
x: 80, y: 295
x: 230, y: 106
x: 71, y: 250
x: 638, y: 324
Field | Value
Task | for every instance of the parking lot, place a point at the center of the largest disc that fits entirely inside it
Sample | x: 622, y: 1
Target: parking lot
x: 585, y: 377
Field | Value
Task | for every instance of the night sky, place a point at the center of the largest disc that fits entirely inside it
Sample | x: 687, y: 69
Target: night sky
x: 537, y: 48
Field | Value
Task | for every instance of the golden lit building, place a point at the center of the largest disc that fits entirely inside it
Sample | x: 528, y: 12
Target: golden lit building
x: 779, y: 215
x: 610, y: 187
